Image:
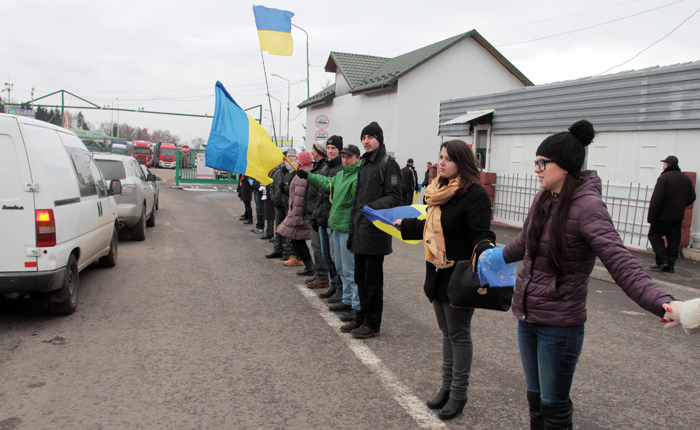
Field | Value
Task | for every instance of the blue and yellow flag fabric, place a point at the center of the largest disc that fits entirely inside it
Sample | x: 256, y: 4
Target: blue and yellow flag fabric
x: 274, y: 30
x: 237, y: 143
x: 384, y: 219
x: 494, y: 271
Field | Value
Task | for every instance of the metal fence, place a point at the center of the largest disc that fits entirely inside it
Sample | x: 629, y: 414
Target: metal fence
x: 627, y: 204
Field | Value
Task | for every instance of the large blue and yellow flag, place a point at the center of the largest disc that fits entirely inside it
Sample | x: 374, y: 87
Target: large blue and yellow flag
x: 384, y: 219
x: 237, y: 143
x: 274, y: 30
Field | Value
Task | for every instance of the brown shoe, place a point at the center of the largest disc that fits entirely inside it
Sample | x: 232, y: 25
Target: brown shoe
x: 310, y: 280
x: 347, y: 328
x: 293, y: 262
x: 319, y: 283
x: 364, y: 332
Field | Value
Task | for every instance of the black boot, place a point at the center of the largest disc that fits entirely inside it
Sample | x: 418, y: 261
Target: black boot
x: 308, y: 269
x: 536, y: 420
x: 438, y: 402
x: 452, y: 408
x: 558, y: 417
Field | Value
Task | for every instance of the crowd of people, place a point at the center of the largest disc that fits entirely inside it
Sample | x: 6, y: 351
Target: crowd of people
x: 321, y: 196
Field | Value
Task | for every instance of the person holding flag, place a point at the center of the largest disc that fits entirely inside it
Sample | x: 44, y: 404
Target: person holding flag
x: 458, y: 223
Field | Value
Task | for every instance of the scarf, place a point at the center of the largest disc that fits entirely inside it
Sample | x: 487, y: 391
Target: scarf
x: 433, y: 236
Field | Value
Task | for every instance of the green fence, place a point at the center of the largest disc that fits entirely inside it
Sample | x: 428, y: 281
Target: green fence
x: 186, y: 171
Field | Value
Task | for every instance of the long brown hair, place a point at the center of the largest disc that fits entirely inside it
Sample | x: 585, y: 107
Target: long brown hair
x: 557, y: 229
x: 468, y: 169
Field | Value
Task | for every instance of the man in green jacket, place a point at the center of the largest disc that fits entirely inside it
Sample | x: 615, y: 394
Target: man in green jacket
x: 342, y: 188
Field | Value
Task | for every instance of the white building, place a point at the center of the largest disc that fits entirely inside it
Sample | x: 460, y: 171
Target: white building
x: 403, y: 94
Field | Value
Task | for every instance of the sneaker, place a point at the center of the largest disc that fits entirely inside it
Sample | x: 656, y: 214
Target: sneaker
x: 347, y: 328
x: 319, y: 283
x: 337, y: 297
x: 274, y: 255
x: 363, y: 332
x: 348, y: 316
x: 293, y: 262
x: 328, y: 293
x: 340, y: 307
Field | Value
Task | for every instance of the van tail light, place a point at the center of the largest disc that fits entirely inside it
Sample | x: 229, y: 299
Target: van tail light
x: 45, y: 228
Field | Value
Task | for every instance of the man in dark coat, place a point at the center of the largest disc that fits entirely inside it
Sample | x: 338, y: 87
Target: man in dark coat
x: 410, y: 182
x: 280, y: 198
x: 246, y: 194
x: 673, y: 192
x: 379, y: 186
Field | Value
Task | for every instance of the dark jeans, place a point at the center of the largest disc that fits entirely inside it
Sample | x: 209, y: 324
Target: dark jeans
x: 257, y: 195
x: 324, y: 236
x: 457, y: 349
x: 248, y: 210
x: 282, y: 244
x: 665, y: 254
x: 319, y: 261
x: 549, y: 355
x: 302, y: 251
x: 369, y: 276
x: 408, y: 199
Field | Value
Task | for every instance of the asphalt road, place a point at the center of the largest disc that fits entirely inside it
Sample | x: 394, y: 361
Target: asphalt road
x: 195, y: 329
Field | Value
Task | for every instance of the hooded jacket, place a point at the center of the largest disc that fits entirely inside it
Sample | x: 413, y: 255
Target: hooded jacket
x: 342, y: 190
x: 543, y: 297
x: 296, y: 225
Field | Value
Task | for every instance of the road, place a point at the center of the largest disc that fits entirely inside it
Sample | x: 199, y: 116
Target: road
x: 195, y: 329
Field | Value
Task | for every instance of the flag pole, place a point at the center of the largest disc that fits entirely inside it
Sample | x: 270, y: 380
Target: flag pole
x: 290, y: 163
x: 274, y: 131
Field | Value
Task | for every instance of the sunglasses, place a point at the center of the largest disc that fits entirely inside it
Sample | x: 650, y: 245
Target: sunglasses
x: 542, y: 163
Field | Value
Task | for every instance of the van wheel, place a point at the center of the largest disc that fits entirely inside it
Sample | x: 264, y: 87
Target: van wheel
x: 69, y: 290
x: 110, y: 260
x: 152, y: 220
x: 138, y: 232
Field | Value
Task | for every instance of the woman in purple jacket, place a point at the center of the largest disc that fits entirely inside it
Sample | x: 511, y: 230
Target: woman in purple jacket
x: 567, y: 227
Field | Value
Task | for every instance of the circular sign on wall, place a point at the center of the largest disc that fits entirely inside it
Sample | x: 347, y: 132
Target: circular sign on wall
x: 322, y: 122
x: 321, y: 135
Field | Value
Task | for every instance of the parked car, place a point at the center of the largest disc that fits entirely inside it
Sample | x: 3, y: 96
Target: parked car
x: 58, y: 215
x: 147, y: 172
x: 136, y: 204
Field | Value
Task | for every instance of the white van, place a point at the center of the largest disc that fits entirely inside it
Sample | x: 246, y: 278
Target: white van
x: 57, y: 216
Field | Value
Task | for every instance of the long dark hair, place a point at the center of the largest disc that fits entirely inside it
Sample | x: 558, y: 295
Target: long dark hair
x: 468, y: 169
x: 557, y: 229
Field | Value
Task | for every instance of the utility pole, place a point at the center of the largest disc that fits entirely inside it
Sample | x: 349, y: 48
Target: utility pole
x: 289, y: 85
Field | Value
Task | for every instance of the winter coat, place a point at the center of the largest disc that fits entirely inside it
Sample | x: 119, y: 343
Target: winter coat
x: 378, y: 190
x: 426, y: 180
x: 312, y: 192
x: 673, y: 192
x: 342, y: 189
x: 268, y: 206
x: 296, y: 225
x: 246, y: 189
x: 280, y: 187
x: 543, y: 297
x: 323, y: 204
x: 466, y: 221
x: 410, y: 179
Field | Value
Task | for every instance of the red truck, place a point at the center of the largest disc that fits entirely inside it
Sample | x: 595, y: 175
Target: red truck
x: 165, y: 155
x: 142, y: 152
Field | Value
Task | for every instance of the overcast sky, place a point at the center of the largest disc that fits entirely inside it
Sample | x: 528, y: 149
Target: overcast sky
x: 167, y: 56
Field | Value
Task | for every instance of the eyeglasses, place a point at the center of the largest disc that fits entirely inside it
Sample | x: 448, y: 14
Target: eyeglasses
x: 542, y: 163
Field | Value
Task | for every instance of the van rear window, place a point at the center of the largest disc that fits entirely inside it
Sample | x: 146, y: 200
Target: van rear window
x: 112, y: 169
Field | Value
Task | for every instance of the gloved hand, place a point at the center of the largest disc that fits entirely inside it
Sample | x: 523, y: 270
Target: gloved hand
x: 303, y: 174
x: 350, y: 241
x: 314, y: 224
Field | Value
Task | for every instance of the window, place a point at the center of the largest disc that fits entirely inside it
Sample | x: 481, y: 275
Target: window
x: 112, y: 169
x: 81, y: 163
x: 99, y: 182
x: 481, y: 143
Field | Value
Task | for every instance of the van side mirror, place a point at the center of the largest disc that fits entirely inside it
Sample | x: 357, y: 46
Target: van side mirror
x: 115, y: 187
x: 151, y: 177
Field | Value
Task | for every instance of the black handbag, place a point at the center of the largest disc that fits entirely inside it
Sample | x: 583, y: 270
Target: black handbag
x: 465, y: 291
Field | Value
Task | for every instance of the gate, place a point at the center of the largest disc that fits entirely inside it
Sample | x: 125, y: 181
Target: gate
x: 190, y: 169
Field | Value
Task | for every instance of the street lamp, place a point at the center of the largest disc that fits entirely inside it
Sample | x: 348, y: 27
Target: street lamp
x: 289, y: 86
x: 280, y: 117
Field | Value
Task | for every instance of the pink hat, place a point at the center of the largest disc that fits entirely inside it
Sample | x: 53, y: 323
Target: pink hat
x: 304, y: 159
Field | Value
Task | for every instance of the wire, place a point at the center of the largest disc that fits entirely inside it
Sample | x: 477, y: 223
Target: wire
x: 592, y: 26
x: 640, y: 52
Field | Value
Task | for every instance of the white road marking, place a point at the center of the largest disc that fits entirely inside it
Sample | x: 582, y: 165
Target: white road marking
x: 414, y: 406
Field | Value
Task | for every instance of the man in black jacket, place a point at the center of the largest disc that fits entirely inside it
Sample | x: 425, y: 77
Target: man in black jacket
x: 280, y: 198
x: 410, y: 181
x: 379, y: 186
x: 673, y: 192
x: 318, y: 151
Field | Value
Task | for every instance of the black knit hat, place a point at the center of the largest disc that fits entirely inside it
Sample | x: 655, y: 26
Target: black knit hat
x: 336, y: 141
x: 567, y: 148
x: 373, y: 129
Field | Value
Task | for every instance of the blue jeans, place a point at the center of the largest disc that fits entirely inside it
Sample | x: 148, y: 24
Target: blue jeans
x: 549, y: 355
x: 324, y: 234
x: 345, y: 264
x: 319, y: 261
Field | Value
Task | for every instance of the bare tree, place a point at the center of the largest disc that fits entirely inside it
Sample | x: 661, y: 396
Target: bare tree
x: 197, y: 143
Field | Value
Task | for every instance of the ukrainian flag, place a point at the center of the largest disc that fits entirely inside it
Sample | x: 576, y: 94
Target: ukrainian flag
x: 384, y: 219
x: 237, y: 143
x: 274, y: 30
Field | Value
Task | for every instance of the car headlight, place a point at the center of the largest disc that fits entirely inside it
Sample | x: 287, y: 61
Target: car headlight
x: 129, y: 190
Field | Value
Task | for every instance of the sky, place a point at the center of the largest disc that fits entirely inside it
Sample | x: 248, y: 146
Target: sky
x: 167, y: 56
